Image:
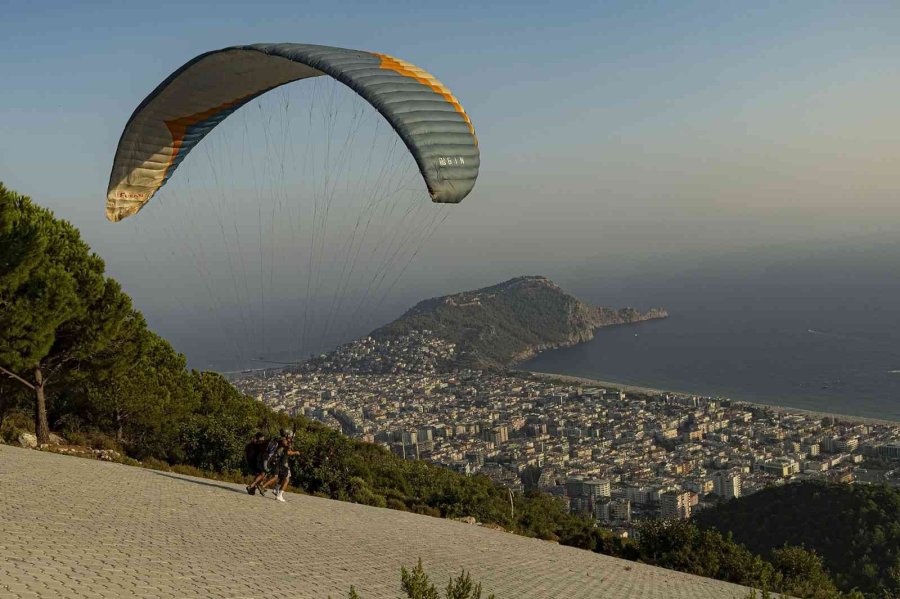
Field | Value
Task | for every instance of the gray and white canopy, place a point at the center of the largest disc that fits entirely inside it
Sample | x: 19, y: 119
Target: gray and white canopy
x: 173, y: 119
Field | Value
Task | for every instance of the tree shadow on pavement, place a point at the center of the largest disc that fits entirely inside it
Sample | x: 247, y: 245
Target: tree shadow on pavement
x: 199, y: 482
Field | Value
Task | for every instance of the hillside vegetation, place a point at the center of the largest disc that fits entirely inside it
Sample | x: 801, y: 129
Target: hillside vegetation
x: 855, y: 528
x: 499, y: 325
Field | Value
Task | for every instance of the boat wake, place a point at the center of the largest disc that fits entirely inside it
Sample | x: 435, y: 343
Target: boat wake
x: 837, y: 336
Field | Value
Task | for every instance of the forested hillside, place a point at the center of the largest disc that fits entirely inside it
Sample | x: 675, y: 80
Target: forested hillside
x: 855, y: 528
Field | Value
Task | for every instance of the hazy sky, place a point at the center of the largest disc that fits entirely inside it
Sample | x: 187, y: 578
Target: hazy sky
x: 615, y: 136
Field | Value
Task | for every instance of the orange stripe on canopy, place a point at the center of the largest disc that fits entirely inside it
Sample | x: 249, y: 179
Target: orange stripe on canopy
x: 178, y: 127
x: 425, y: 78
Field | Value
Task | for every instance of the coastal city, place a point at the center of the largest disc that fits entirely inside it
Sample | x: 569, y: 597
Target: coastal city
x: 615, y: 456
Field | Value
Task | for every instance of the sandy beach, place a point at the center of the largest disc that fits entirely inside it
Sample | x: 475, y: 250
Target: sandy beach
x: 654, y: 391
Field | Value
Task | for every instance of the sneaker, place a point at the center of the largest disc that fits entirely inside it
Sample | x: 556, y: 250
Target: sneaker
x: 262, y: 492
x: 280, y: 496
x: 251, y: 490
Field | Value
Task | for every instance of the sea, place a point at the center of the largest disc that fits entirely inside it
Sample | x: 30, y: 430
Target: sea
x: 816, y: 328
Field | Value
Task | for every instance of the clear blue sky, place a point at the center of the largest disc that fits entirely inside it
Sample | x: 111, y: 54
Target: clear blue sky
x: 613, y: 132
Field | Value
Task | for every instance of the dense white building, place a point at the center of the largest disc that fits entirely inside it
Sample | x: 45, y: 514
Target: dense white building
x: 675, y: 505
x: 727, y: 484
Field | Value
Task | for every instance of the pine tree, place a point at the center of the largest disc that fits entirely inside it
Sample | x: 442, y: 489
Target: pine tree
x: 58, y: 312
x: 416, y: 584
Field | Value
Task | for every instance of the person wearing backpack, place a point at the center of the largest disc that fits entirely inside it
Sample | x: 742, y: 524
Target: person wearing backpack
x: 279, y: 464
x: 256, y: 452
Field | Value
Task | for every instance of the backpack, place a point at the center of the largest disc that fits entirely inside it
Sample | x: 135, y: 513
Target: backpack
x: 271, y: 450
x: 251, y: 452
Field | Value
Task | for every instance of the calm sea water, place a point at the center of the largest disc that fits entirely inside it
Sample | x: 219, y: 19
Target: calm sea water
x: 813, y: 329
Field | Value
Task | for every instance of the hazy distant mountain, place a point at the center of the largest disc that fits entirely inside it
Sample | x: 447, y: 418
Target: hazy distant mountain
x: 506, y: 323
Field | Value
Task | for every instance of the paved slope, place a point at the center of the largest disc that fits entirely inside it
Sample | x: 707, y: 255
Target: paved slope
x: 73, y: 527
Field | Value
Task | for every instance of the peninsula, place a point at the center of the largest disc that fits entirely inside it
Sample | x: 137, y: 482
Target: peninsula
x: 500, y: 325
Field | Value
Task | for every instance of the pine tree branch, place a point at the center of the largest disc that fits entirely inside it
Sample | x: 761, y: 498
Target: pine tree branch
x: 63, y: 360
x: 16, y: 377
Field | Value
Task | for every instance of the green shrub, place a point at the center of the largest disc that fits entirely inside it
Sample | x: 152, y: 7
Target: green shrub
x: 395, y: 504
x: 155, y: 464
x: 93, y: 440
x: 14, y: 424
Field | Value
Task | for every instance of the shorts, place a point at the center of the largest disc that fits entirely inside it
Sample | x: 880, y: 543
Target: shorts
x: 284, y: 472
x: 259, y: 467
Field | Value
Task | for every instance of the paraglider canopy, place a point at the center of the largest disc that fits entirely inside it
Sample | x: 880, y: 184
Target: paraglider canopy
x: 177, y: 115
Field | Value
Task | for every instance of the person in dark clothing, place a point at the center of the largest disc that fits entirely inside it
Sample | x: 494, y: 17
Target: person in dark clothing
x: 282, y: 468
x: 255, y: 452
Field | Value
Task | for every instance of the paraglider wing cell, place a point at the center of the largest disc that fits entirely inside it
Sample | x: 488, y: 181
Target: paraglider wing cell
x: 202, y: 93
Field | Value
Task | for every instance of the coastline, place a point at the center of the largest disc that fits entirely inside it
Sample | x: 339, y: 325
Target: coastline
x: 654, y: 391
x: 533, y: 351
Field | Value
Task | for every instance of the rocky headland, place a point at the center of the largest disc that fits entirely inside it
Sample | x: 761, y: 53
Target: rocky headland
x: 500, y: 325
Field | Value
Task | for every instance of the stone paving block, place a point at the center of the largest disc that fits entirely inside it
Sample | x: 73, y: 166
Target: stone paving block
x: 80, y: 529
